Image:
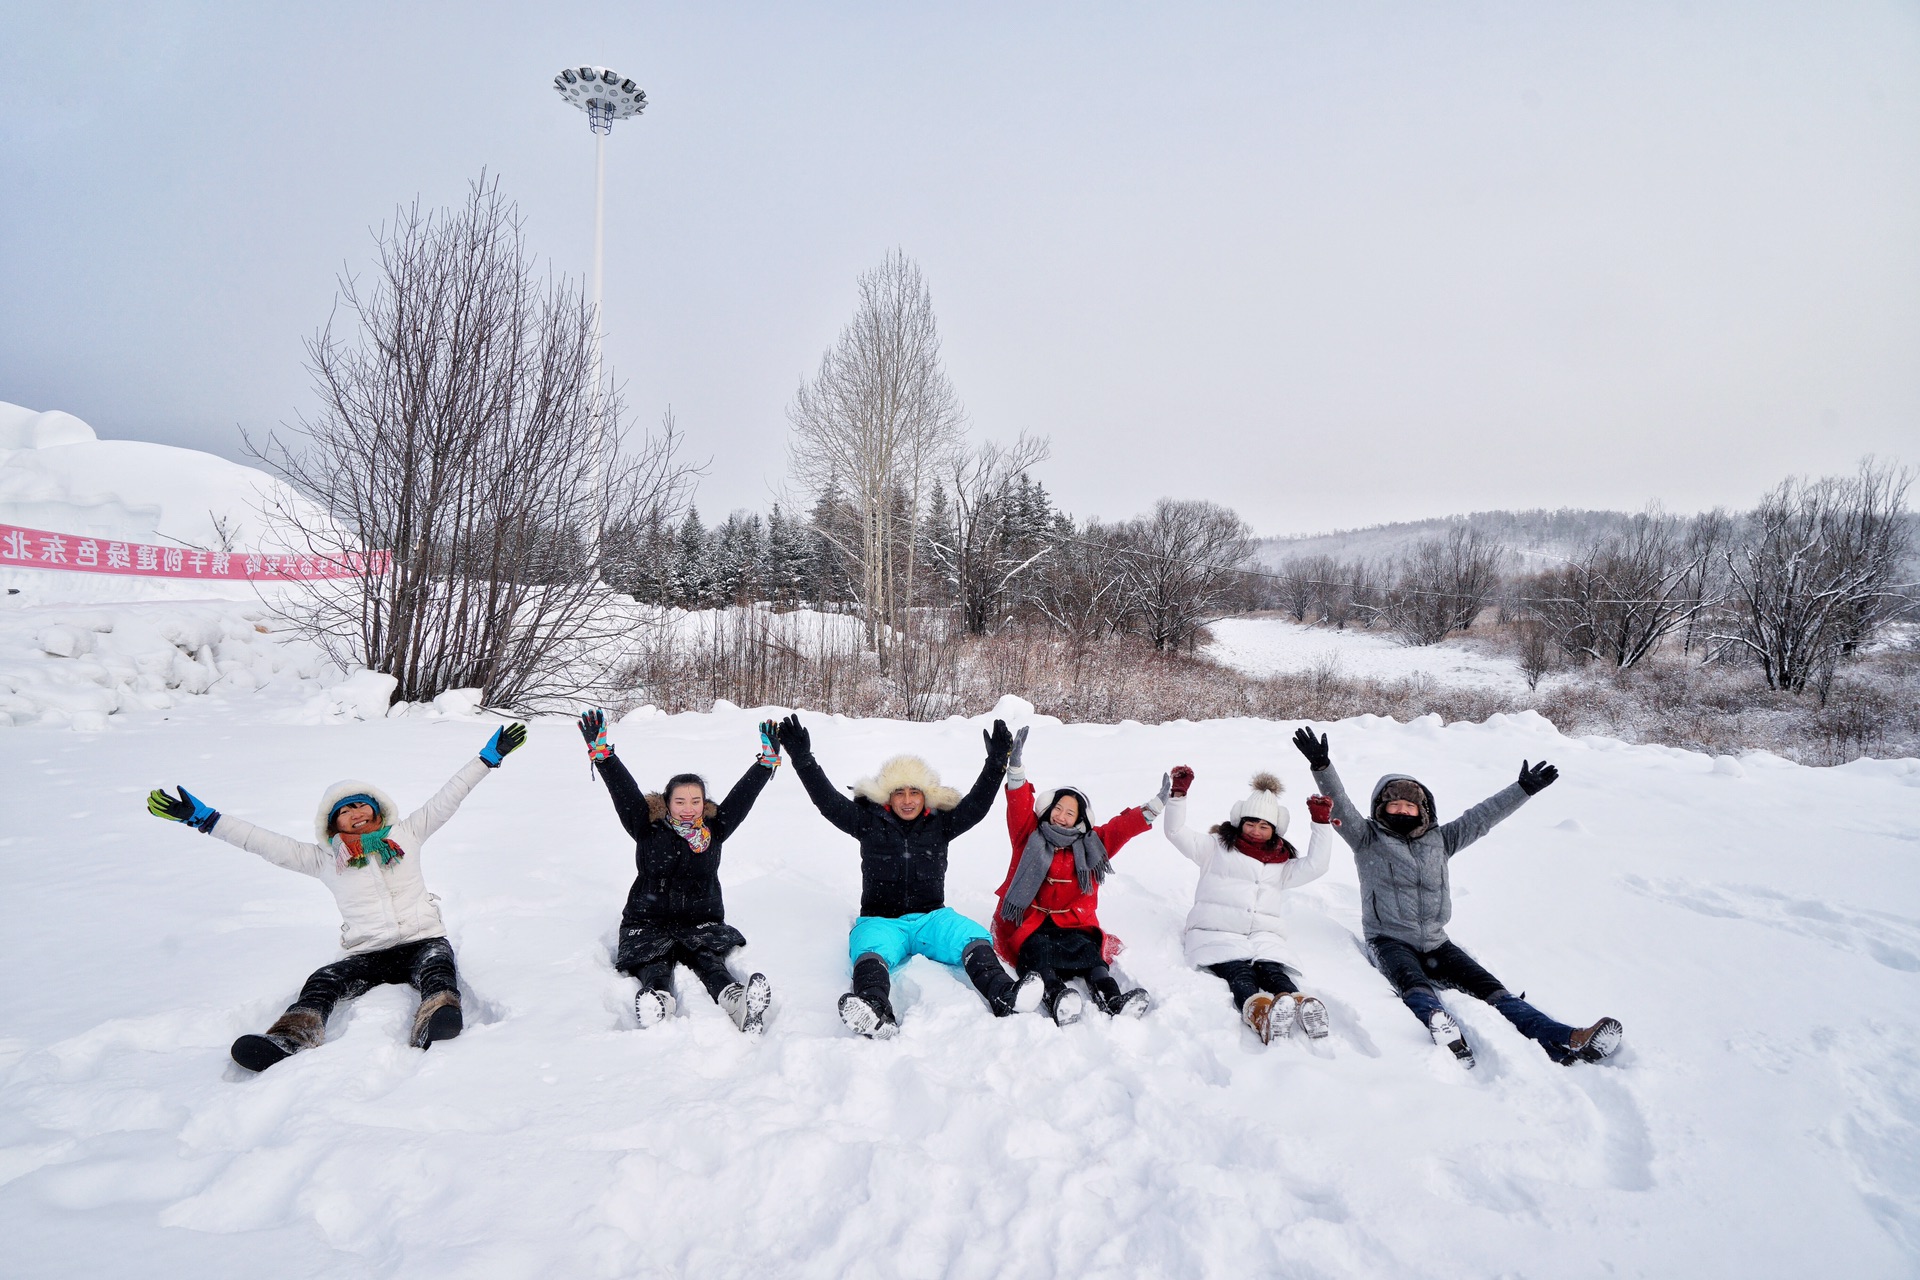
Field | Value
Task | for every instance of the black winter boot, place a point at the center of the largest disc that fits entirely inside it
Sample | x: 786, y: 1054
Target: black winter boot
x: 295, y: 1030
x: 866, y: 1009
x: 1003, y: 995
x: 1113, y: 1002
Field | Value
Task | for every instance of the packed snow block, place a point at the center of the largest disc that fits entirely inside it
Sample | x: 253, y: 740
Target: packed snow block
x: 458, y: 702
x: 1012, y: 707
x: 64, y: 641
x: 364, y: 695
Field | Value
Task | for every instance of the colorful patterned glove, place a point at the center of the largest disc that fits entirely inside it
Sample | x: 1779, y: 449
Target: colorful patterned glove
x: 504, y: 742
x: 185, y: 807
x: 769, y: 757
x: 593, y: 727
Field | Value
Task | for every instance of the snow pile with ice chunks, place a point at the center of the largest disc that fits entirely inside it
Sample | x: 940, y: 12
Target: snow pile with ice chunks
x: 1755, y: 925
x: 1277, y: 646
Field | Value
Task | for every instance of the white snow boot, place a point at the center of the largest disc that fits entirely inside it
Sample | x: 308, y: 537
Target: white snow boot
x: 747, y: 1005
x: 1445, y: 1032
x: 652, y: 1006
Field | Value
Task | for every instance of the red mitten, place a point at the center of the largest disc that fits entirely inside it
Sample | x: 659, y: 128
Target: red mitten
x: 1182, y: 779
x: 1320, y: 808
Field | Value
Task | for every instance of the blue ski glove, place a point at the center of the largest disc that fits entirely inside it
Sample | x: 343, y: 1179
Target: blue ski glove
x: 503, y: 743
x: 593, y: 727
x: 769, y: 745
x: 185, y: 807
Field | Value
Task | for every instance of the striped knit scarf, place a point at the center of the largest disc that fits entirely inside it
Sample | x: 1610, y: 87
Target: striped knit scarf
x: 352, y: 851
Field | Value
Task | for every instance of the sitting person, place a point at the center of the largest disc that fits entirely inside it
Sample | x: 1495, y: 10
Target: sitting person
x: 1236, y: 929
x: 674, y: 914
x: 1048, y: 922
x: 1404, y: 856
x: 368, y: 857
x: 904, y: 820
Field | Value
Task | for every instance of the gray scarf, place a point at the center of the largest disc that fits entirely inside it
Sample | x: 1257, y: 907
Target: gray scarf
x: 1090, y: 865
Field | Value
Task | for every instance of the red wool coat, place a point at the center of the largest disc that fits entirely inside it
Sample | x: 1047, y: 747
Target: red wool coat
x: 1060, y: 896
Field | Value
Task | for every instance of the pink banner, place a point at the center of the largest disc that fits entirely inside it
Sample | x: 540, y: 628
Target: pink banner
x: 41, y: 549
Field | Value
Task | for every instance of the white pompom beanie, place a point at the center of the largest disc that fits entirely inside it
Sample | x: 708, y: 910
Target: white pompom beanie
x: 1262, y: 802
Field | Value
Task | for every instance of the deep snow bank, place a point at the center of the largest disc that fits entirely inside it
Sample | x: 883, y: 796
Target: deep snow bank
x: 1755, y: 924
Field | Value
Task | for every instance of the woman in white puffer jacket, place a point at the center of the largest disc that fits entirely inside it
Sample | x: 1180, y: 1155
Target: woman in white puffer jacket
x: 1235, y: 928
x: 368, y: 857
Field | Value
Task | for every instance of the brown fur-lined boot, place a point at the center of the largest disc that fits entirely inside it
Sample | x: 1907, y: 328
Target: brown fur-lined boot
x: 296, y: 1029
x: 1257, y: 1013
x: 437, y: 1018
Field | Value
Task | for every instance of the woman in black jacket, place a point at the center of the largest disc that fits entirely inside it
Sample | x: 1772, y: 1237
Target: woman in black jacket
x: 674, y: 914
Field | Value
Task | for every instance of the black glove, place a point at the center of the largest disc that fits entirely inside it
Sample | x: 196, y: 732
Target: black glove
x: 1313, y: 748
x: 795, y: 738
x: 1000, y: 741
x: 1537, y: 778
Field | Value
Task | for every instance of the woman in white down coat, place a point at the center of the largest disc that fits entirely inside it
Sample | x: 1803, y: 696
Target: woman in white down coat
x: 368, y: 857
x: 1235, y: 927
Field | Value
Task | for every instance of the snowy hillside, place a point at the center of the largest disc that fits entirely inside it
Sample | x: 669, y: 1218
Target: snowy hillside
x: 1271, y: 646
x: 54, y: 474
x: 1756, y: 926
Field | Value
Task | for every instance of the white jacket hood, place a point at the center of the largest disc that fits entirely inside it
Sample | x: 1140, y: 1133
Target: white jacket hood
x: 333, y: 795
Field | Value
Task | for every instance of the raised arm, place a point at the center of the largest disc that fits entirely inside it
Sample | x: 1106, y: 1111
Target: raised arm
x: 1197, y: 846
x: 1021, y: 819
x: 975, y: 804
x: 739, y: 801
x: 628, y: 801
x: 834, y: 807
x: 1124, y: 826
x: 1319, y: 855
x: 1350, y: 822
x: 433, y: 815
x: 1480, y: 819
x: 281, y: 851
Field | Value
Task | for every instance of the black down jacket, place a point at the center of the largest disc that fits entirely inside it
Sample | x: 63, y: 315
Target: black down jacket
x: 675, y: 887
x: 903, y: 865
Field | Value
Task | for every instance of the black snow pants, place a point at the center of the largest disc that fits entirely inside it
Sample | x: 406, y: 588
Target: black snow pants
x: 1247, y: 978
x: 1058, y: 954
x: 649, y: 951
x: 1416, y: 974
x: 426, y: 966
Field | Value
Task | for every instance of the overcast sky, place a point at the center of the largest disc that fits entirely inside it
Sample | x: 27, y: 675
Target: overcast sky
x: 1330, y: 264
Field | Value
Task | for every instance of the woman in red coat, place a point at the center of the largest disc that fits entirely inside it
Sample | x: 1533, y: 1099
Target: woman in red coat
x: 1048, y: 922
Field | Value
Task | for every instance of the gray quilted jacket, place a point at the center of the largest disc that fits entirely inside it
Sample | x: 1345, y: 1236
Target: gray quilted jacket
x: 1404, y: 890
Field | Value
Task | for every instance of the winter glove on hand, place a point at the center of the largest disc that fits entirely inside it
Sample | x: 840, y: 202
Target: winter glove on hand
x: 1182, y: 778
x: 1016, y: 773
x: 504, y: 742
x: 769, y: 757
x: 1313, y: 748
x: 1320, y: 809
x: 1537, y: 778
x: 593, y: 727
x: 794, y: 737
x: 185, y: 807
x: 1153, y: 807
x: 999, y: 742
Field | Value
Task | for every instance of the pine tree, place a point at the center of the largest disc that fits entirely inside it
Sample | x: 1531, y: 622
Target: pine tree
x: 689, y: 581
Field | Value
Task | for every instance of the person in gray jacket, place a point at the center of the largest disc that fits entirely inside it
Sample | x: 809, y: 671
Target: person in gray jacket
x: 1403, y: 856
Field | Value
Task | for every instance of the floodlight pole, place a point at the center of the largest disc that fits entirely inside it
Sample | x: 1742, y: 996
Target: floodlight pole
x: 605, y: 96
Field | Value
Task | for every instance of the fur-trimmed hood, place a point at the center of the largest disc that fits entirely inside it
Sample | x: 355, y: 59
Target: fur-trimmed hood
x: 907, y: 771
x: 1424, y: 798
x: 1043, y: 802
x: 657, y: 808
x: 333, y: 795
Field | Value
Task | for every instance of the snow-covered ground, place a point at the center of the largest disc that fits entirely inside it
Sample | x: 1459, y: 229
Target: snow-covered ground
x: 1755, y: 924
x: 1274, y: 646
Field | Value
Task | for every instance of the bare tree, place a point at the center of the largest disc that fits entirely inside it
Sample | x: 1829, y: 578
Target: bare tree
x: 876, y: 422
x: 457, y: 428
x: 1629, y: 590
x: 1182, y: 568
x: 1816, y: 574
x: 1442, y: 585
x: 1299, y: 585
x: 982, y: 555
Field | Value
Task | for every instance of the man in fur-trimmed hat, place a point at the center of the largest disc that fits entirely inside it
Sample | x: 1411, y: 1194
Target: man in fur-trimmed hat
x: 1403, y: 854
x: 904, y: 820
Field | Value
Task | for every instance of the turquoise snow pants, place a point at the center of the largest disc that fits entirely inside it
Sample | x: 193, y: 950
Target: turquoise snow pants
x: 941, y: 935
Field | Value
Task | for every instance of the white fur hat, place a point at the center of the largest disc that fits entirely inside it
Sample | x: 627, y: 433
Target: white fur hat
x: 1263, y: 802
x: 907, y: 771
x: 323, y: 817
